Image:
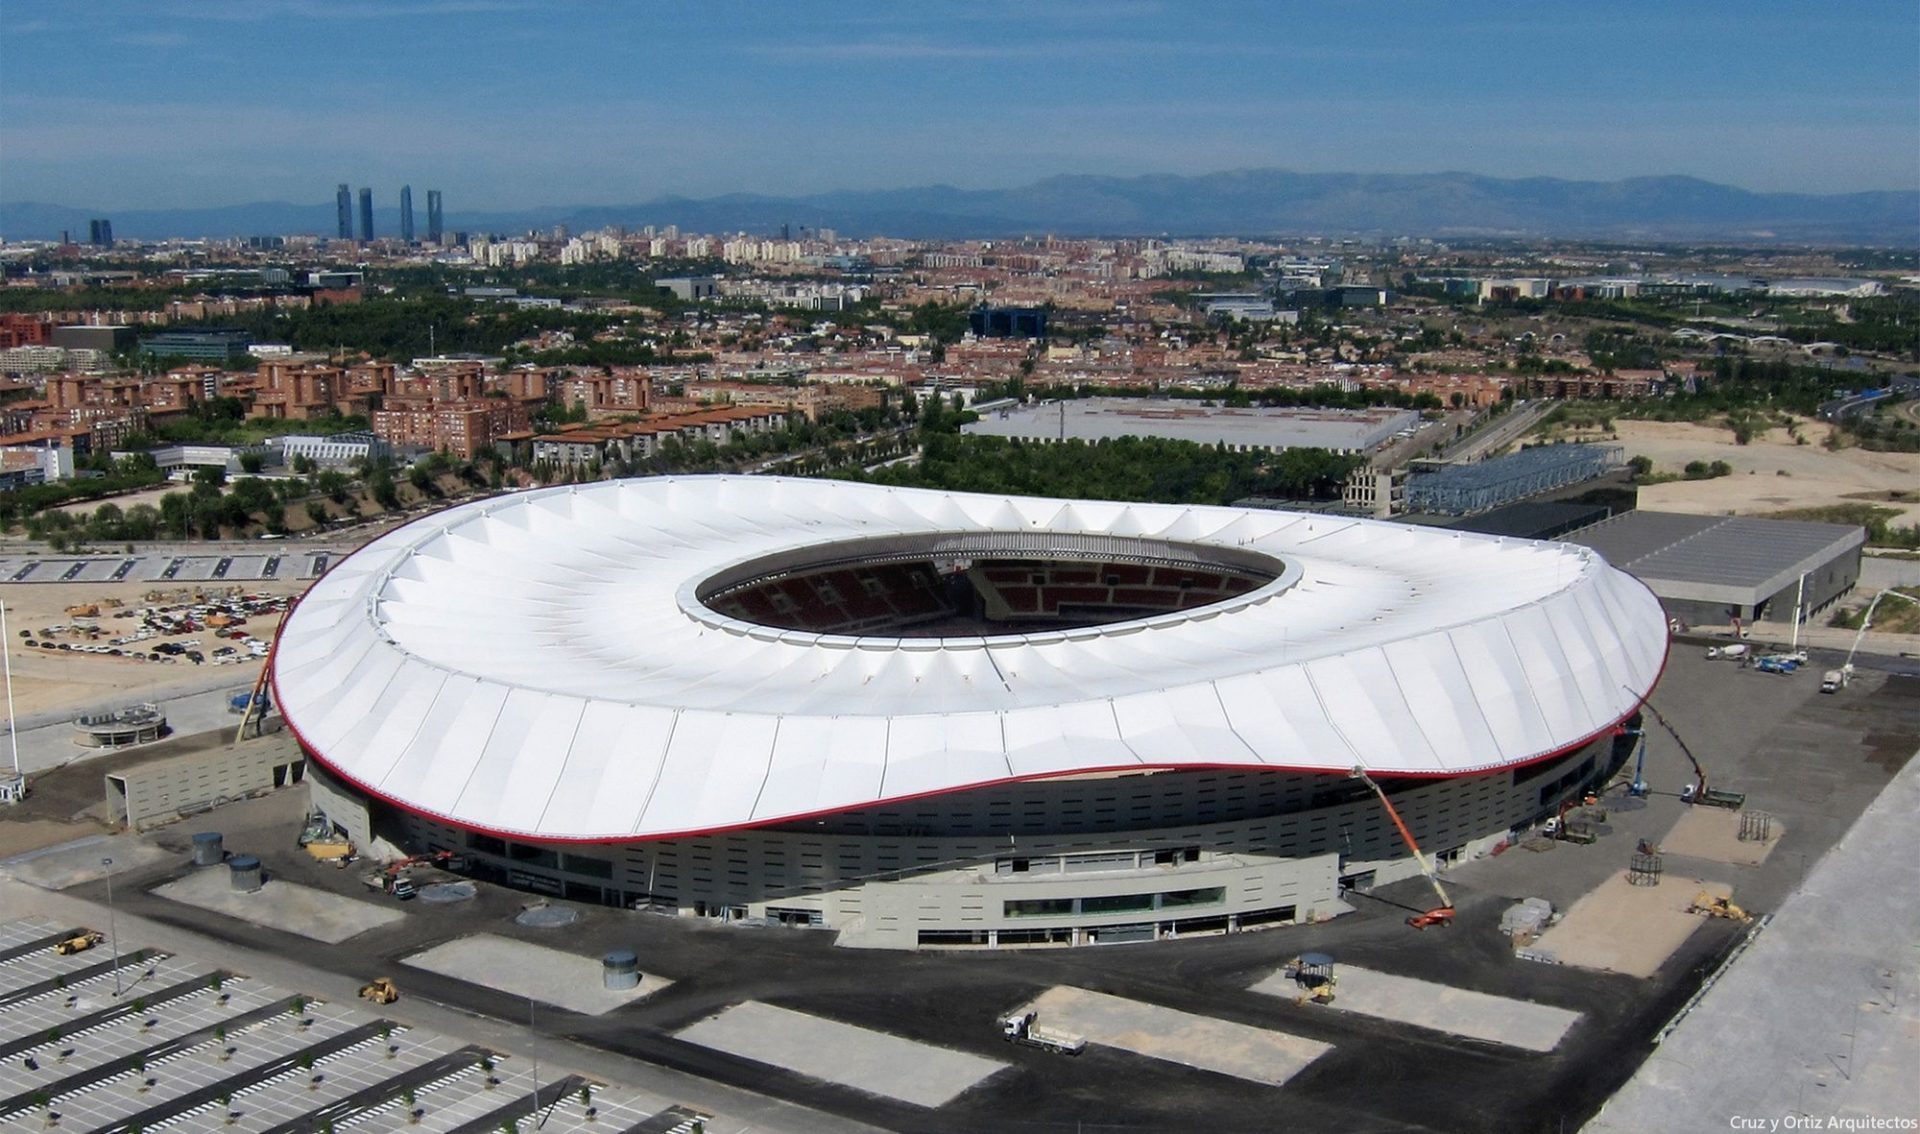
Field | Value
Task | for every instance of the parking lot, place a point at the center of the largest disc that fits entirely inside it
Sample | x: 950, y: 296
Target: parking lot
x: 1811, y: 761
x: 167, y: 567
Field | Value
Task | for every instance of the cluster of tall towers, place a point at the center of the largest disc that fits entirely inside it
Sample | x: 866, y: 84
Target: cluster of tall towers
x: 343, y: 204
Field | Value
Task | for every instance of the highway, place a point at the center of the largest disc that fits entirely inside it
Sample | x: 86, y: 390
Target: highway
x: 1503, y: 431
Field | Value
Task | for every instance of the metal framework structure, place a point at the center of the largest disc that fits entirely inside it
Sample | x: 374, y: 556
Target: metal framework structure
x: 1465, y: 490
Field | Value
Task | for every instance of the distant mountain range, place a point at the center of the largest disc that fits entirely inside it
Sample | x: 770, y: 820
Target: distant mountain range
x: 1252, y: 202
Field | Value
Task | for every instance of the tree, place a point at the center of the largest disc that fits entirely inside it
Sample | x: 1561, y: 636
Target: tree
x: 381, y: 487
x: 176, y: 512
x: 210, y: 475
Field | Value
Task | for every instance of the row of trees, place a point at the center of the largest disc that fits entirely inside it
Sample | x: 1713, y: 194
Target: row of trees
x: 1127, y: 468
x: 128, y: 474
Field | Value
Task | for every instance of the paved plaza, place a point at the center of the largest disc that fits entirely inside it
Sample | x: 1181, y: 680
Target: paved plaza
x: 528, y: 971
x: 286, y: 906
x: 1259, y: 1055
x: 866, y: 1060
x: 1456, y: 1011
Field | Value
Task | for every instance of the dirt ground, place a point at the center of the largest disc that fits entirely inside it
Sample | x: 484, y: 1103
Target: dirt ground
x: 44, y: 681
x: 1813, y: 474
x: 1629, y: 929
x: 1713, y: 833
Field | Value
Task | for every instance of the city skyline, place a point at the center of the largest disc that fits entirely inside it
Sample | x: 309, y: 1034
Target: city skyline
x: 1769, y: 97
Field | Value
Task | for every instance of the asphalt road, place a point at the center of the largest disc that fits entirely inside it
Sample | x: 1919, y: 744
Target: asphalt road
x: 1502, y: 430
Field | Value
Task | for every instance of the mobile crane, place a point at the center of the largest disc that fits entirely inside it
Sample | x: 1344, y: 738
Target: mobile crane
x: 1697, y: 791
x: 1441, y: 914
x: 1835, y: 680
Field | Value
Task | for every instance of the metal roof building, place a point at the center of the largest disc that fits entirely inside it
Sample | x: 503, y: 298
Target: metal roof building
x: 1095, y: 419
x: 1711, y: 568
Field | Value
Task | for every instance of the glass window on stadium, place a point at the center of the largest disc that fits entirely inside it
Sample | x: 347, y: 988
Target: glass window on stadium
x: 1180, y: 899
x: 1036, y: 937
x: 535, y: 856
x: 1116, y: 903
x: 953, y: 937
x: 1038, y: 907
x: 591, y: 867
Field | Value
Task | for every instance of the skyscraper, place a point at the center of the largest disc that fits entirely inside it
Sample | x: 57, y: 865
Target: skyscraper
x: 433, y: 216
x: 406, y: 214
x: 100, y: 233
x: 366, y: 216
x: 343, y: 204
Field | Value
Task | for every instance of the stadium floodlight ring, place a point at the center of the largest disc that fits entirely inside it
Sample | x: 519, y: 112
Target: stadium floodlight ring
x: 548, y: 663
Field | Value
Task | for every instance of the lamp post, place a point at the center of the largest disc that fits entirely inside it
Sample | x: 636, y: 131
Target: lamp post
x: 113, y: 937
x: 18, y: 784
x: 533, y: 1044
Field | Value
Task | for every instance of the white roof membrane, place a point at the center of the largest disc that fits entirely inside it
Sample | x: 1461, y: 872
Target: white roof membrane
x: 539, y: 664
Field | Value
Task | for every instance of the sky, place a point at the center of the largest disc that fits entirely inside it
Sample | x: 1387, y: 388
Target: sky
x: 508, y: 104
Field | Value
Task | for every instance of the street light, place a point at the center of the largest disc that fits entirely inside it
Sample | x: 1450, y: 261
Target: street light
x: 113, y: 938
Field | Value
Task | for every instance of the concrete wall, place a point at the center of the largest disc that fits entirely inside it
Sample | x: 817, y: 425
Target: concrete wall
x: 1827, y: 583
x: 974, y: 908
x: 1878, y: 572
x: 165, y: 790
x: 1270, y: 840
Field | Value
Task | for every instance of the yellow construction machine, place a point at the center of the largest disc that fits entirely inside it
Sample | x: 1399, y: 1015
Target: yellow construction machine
x: 79, y: 943
x: 1706, y: 903
x: 382, y: 990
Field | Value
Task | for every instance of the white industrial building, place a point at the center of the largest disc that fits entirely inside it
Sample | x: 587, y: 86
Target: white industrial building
x: 927, y: 718
x: 1251, y: 429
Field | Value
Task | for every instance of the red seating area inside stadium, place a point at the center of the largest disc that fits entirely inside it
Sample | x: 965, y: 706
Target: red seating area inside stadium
x: 897, y: 597
x: 843, y: 600
x: 1045, y: 590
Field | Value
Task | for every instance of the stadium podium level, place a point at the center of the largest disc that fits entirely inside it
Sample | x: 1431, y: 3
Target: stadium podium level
x: 938, y: 719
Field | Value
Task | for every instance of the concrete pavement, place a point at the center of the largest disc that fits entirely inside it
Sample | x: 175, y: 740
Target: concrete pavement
x: 1820, y: 1020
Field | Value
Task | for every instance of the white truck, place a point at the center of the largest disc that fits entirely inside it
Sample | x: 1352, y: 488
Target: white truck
x: 1024, y: 1027
x: 1834, y: 680
x: 1737, y: 650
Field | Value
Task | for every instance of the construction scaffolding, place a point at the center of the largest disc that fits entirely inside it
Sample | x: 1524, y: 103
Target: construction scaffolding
x: 1465, y: 490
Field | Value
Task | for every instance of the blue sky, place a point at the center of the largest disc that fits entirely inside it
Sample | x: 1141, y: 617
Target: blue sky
x: 507, y: 104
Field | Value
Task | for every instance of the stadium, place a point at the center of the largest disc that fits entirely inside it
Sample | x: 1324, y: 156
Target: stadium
x: 939, y: 719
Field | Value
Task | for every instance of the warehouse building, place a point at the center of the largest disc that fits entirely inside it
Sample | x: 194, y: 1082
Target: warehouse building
x: 1241, y: 430
x: 1708, y: 570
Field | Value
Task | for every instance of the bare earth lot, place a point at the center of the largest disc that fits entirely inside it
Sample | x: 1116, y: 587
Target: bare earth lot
x: 46, y: 680
x: 1816, y: 476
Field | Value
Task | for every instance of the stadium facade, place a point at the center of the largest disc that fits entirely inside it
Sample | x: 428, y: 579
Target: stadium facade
x: 925, y: 718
